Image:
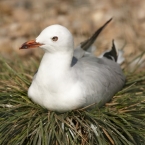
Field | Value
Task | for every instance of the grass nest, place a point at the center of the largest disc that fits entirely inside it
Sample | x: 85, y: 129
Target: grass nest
x: 22, y: 122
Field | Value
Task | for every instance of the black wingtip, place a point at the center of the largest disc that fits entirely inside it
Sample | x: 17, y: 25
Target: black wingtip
x: 112, y: 54
x: 109, y: 20
x: 86, y: 44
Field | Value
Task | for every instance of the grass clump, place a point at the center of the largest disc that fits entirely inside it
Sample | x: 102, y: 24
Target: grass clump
x: 22, y: 122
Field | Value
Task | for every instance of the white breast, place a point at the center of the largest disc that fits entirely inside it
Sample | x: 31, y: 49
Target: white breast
x: 67, y: 97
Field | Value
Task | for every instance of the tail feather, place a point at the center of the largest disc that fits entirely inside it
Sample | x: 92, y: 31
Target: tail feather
x: 120, y: 58
x: 113, y: 55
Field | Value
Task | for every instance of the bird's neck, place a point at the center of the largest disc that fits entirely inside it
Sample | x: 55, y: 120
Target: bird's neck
x: 55, y: 65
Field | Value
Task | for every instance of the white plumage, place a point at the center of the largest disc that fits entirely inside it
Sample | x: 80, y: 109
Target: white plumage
x: 68, y: 79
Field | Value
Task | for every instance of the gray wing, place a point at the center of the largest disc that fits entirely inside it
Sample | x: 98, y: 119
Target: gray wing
x: 112, y: 55
x: 102, y: 78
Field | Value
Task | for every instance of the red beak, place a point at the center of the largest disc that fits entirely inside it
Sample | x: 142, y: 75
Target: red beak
x: 30, y: 44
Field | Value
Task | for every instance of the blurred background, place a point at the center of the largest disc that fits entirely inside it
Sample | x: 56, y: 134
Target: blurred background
x: 22, y: 20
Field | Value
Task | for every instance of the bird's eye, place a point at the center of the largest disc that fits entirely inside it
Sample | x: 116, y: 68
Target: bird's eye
x: 55, y: 38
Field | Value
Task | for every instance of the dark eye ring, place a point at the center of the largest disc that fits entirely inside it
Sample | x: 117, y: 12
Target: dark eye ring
x: 55, y: 38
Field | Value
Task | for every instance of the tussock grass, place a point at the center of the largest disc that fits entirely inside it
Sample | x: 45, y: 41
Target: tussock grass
x: 22, y: 122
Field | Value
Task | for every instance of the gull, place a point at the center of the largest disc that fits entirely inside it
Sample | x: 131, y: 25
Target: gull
x: 69, y: 78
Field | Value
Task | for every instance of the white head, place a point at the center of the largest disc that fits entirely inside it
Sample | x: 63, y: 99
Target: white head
x: 51, y: 39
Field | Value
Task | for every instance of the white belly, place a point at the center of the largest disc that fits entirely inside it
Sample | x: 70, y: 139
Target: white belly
x: 62, y: 100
